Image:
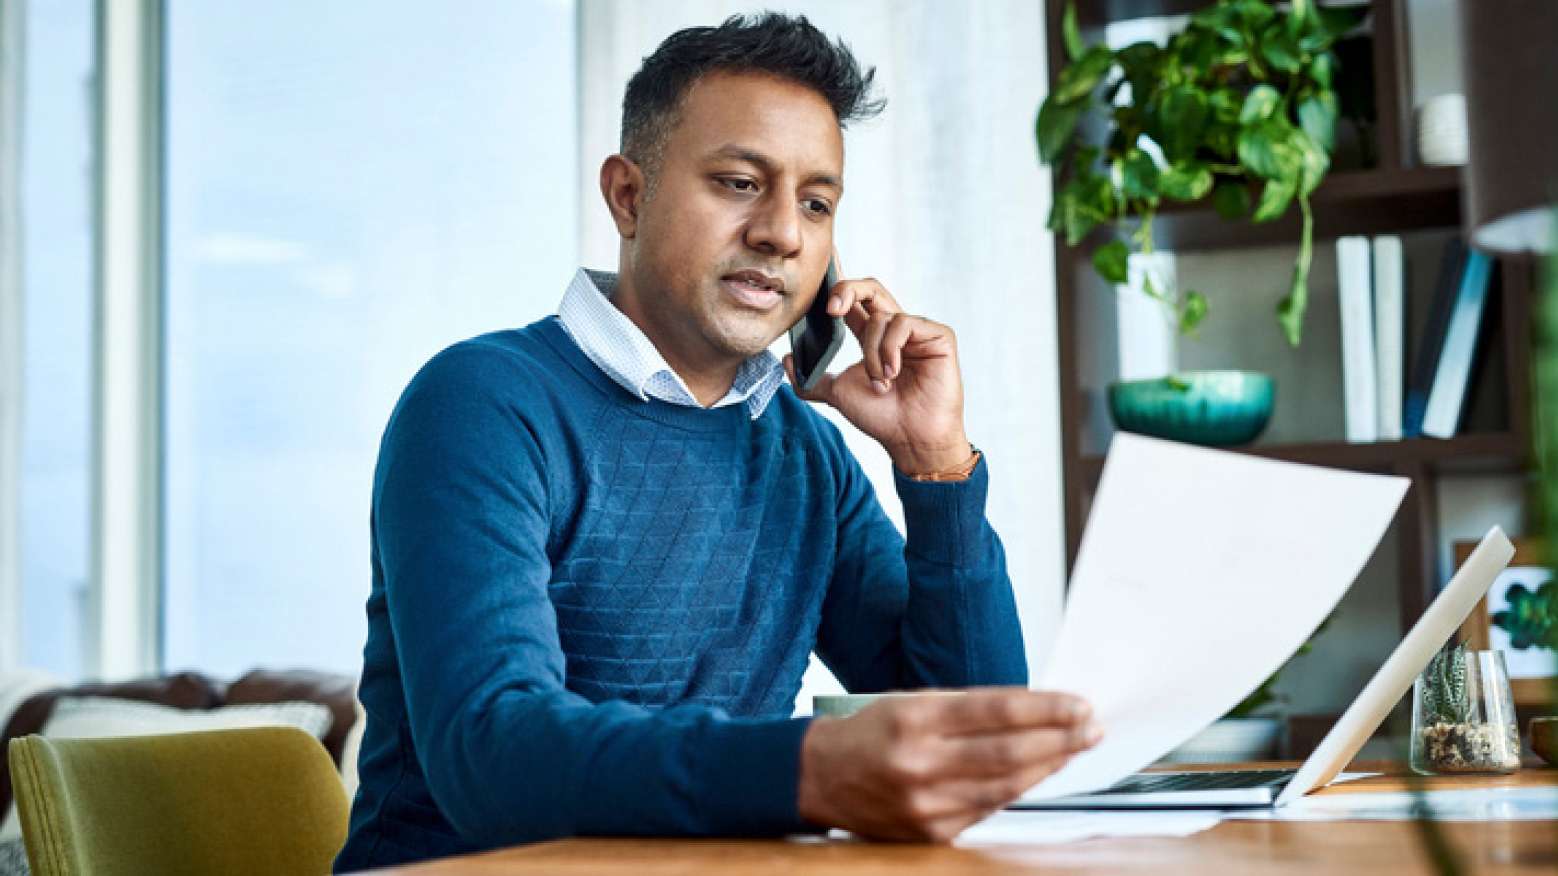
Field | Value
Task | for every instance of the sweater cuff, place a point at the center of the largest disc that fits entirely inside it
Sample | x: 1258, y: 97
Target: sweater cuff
x: 754, y: 774
x: 944, y: 520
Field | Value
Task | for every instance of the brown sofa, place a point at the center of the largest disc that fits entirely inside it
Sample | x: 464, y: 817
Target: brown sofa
x: 192, y: 690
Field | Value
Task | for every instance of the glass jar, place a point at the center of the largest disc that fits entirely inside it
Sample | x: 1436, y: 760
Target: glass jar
x: 1463, y: 716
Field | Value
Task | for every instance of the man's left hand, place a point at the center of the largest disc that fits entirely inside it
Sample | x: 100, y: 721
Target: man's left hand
x: 907, y: 390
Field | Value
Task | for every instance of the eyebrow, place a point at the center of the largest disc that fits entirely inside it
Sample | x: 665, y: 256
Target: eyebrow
x: 769, y: 166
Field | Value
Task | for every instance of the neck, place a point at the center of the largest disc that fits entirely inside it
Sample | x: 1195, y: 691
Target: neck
x: 708, y: 373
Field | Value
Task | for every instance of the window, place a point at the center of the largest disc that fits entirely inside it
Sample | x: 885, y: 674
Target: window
x: 57, y: 256
x: 350, y: 187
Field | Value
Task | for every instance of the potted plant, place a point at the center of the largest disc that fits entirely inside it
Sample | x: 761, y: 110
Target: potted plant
x: 1239, y: 107
x: 1462, y: 717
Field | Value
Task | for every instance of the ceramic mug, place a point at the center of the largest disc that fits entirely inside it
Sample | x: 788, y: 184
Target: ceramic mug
x: 844, y: 705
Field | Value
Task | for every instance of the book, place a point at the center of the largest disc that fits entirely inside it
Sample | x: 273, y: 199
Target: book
x: 1447, y: 399
x: 1148, y: 332
x: 1359, y: 377
x: 1425, y: 364
x: 1389, y: 326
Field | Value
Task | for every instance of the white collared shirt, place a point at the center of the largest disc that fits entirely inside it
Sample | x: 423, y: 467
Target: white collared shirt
x: 625, y: 353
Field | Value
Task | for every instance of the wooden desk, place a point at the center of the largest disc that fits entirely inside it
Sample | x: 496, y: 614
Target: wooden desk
x: 1233, y: 848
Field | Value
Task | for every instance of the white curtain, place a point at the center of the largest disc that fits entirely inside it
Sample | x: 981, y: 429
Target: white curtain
x: 946, y: 206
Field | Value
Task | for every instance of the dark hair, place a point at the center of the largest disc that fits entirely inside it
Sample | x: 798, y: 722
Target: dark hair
x: 782, y: 45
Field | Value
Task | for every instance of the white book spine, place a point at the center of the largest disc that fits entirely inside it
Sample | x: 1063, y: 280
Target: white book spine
x: 1360, y: 397
x: 1148, y: 335
x: 1389, y: 326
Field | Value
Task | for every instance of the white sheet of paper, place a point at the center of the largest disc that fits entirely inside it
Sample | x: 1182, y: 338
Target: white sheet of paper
x: 1010, y: 827
x: 1200, y: 573
x: 1470, y: 804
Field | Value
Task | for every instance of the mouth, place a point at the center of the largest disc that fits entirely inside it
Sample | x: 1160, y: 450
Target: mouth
x: 754, y: 289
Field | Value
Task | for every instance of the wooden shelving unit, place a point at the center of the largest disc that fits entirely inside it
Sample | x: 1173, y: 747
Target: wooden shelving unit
x: 1393, y: 197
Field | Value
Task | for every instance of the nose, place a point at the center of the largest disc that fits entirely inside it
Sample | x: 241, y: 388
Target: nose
x: 775, y: 228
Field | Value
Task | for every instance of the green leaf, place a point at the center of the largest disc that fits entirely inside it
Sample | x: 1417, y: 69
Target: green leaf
x: 1265, y: 150
x: 1198, y: 50
x: 1337, y: 21
x: 1096, y: 197
x: 1231, y: 200
x: 1081, y: 77
x: 1071, y: 218
x: 1317, y: 116
x: 1223, y: 140
x: 1280, y: 49
x: 1182, y: 117
x: 1290, y: 310
x: 1069, y: 33
x: 1085, y: 203
x: 1111, y: 261
x: 1322, y: 69
x: 1313, y: 161
x: 1055, y: 125
x: 1260, y: 103
x: 1139, y: 58
x: 1193, y: 311
x: 1186, y: 181
x: 1225, y: 104
x: 1220, y: 19
x: 1255, y: 12
x: 1274, y: 199
x: 1139, y: 175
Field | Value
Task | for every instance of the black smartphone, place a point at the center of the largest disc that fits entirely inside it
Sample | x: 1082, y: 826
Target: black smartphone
x: 816, y: 339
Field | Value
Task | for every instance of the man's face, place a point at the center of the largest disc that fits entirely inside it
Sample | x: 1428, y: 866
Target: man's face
x: 744, y: 201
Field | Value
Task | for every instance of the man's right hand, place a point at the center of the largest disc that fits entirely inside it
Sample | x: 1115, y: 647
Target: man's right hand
x: 926, y: 767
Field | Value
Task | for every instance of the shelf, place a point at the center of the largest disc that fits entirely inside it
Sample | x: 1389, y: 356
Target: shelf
x: 1099, y: 12
x: 1094, y: 13
x: 1348, y: 202
x: 1484, y: 452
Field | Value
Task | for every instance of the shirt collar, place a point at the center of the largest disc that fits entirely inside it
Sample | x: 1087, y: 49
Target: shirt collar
x: 620, y: 348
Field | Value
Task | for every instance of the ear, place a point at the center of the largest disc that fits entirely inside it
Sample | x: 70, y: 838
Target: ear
x: 622, y: 185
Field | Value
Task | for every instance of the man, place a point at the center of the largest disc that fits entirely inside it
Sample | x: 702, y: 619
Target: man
x: 605, y: 544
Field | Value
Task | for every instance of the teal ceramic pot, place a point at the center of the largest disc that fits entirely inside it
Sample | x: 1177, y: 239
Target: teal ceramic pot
x: 1216, y: 408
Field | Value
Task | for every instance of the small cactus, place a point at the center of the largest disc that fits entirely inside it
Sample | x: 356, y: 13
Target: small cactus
x: 1445, y: 698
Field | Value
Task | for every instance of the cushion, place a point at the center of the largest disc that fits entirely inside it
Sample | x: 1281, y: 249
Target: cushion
x: 352, y: 749
x: 99, y: 717
x: 339, y: 692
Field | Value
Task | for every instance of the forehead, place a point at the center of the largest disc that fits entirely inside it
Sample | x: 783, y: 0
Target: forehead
x: 789, y: 122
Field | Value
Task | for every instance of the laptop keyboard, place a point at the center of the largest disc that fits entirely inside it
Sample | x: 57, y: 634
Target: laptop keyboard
x: 1147, y: 783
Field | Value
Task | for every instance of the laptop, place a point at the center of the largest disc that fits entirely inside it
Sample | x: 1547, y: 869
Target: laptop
x: 1234, y: 789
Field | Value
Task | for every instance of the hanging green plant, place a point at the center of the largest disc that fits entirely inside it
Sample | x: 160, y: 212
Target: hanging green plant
x: 1238, y: 107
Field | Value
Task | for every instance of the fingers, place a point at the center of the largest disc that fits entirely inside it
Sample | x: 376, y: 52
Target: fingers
x: 883, y: 339
x: 871, y: 347
x: 898, y: 333
x: 975, y: 798
x: 986, y: 710
x: 858, y: 300
x: 1003, y: 754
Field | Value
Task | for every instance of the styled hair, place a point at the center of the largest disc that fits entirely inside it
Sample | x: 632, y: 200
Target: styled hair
x: 782, y: 45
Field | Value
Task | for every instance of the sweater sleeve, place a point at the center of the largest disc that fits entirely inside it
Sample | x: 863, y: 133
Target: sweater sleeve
x: 461, y: 522
x: 933, y: 610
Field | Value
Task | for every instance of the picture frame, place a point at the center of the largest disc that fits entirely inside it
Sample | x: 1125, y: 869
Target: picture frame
x: 1531, y: 669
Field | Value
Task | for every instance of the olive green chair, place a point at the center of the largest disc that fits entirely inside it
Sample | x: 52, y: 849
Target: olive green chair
x: 265, y: 800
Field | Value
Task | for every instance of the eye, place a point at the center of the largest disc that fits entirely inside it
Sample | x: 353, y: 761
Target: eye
x: 737, y: 183
x: 818, y: 206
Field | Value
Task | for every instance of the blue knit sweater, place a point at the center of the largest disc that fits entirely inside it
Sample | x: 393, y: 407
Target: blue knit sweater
x: 590, y: 614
